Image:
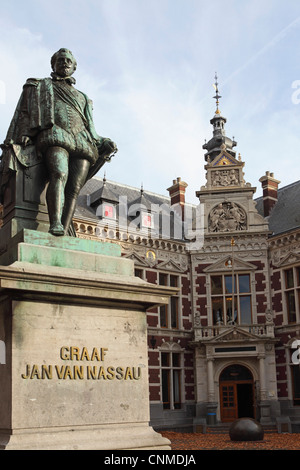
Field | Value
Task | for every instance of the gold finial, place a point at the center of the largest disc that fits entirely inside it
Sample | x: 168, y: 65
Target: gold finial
x: 217, y: 96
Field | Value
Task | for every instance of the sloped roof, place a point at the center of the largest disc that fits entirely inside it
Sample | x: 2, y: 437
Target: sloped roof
x: 119, y: 189
x: 285, y: 214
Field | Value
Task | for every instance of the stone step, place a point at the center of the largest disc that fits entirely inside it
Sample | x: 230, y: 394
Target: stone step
x: 218, y: 429
x: 270, y: 429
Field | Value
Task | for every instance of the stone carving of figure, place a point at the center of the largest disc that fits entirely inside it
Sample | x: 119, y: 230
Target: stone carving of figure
x: 232, y: 177
x: 227, y: 217
x: 53, y: 123
x: 216, y: 180
x: 224, y: 178
x: 216, y: 217
x: 237, y: 215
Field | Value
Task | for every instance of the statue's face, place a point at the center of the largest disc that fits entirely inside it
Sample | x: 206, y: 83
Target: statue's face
x: 64, y: 65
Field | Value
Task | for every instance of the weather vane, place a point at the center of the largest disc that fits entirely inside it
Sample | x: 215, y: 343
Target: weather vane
x: 217, y: 96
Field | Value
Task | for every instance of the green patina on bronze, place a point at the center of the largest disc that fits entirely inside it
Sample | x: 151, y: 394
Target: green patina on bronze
x: 37, y: 238
x: 39, y: 248
x: 53, y: 124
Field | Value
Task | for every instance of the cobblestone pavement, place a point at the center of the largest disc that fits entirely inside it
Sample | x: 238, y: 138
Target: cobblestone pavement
x: 195, y: 441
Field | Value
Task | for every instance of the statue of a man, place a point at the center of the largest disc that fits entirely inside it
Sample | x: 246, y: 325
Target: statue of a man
x: 54, y: 119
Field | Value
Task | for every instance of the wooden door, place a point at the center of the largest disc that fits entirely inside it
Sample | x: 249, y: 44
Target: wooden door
x: 229, y: 403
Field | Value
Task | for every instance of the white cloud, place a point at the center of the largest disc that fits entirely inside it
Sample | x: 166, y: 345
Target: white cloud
x: 149, y: 69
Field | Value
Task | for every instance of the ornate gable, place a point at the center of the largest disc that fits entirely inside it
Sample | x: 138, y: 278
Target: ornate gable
x: 232, y: 335
x: 225, y: 171
x: 224, y: 158
x: 225, y: 265
x: 170, y: 265
x: 291, y: 258
x: 138, y: 261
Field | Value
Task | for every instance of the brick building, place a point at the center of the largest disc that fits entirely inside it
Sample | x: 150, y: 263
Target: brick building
x: 226, y: 345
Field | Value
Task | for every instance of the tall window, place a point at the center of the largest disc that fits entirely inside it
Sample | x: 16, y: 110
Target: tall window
x: 231, y: 299
x: 296, y: 384
x: 292, y: 293
x: 295, y: 375
x: 171, y: 380
x: 108, y: 211
x: 139, y: 273
x: 147, y: 220
x: 169, y: 314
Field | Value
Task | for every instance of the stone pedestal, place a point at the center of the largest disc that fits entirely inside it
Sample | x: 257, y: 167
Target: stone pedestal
x: 24, y: 204
x: 265, y: 412
x: 73, y: 323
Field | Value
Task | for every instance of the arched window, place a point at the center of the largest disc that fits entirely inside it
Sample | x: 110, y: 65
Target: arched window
x: 236, y: 372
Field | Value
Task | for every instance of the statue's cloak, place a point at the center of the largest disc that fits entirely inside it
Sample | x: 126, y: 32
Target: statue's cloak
x: 35, y: 111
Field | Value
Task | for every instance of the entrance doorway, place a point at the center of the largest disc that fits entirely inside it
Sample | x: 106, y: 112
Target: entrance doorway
x: 236, y: 393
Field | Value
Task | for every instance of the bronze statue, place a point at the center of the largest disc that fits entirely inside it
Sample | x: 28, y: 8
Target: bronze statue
x: 53, y: 123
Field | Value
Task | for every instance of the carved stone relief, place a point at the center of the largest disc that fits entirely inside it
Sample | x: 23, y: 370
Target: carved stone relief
x: 225, y: 178
x: 227, y: 217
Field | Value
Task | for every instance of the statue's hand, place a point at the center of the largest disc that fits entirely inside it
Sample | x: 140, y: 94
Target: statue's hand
x: 106, y: 145
x: 26, y: 141
x: 113, y: 146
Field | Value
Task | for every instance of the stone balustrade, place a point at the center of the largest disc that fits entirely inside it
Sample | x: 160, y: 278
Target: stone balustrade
x: 263, y: 330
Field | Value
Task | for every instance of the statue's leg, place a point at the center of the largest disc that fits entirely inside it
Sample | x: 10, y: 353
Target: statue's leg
x: 78, y: 170
x: 57, y: 160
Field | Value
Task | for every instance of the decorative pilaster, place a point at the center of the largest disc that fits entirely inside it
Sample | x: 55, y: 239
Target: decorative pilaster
x: 210, y: 380
x: 264, y: 405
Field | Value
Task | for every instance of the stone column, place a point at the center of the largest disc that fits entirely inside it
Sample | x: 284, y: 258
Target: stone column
x: 212, y: 404
x: 264, y: 403
x: 210, y: 380
x: 262, y: 378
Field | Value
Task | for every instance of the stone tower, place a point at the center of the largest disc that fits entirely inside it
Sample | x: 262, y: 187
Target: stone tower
x: 233, y: 323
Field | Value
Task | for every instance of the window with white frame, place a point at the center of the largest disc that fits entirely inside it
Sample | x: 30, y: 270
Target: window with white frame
x: 108, y: 211
x: 231, y: 299
x: 147, y: 220
x: 171, y: 377
x: 292, y: 293
x: 169, y: 314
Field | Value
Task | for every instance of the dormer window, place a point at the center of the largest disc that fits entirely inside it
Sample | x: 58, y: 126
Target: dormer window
x: 147, y: 220
x: 108, y: 211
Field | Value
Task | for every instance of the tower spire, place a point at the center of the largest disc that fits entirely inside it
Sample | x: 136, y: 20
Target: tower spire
x: 215, y: 145
x: 217, y: 96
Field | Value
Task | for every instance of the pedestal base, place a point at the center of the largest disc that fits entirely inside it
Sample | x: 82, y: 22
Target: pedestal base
x: 75, y: 374
x: 110, y: 437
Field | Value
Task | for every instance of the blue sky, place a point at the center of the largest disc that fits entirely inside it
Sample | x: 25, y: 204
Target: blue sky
x: 149, y: 67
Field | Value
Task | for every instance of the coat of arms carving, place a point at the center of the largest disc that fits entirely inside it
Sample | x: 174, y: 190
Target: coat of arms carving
x: 227, y: 217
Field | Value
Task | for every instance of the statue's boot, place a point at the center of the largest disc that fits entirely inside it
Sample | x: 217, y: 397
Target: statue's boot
x: 57, y: 229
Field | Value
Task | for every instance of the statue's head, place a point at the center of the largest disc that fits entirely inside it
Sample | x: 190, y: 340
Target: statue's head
x: 63, y: 63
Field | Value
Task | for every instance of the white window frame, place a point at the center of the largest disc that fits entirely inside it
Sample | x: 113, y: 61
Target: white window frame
x: 168, y: 306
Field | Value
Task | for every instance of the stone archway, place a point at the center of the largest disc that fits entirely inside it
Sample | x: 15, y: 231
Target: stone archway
x: 236, y: 393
